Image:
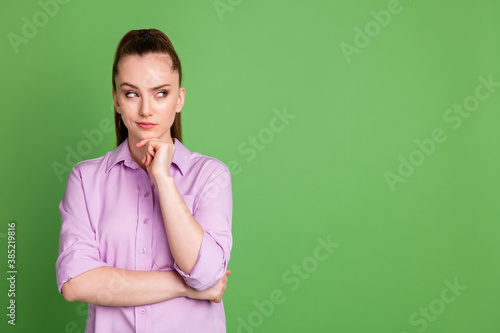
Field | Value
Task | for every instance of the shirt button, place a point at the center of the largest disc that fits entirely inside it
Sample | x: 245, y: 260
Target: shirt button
x: 144, y: 250
x: 146, y: 195
x: 143, y: 311
x: 146, y: 221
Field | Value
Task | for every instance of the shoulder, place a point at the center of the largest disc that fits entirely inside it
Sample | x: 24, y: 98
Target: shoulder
x: 208, y: 164
x: 191, y: 162
x: 92, y: 167
x: 85, y: 176
x: 211, y: 176
x: 207, y: 169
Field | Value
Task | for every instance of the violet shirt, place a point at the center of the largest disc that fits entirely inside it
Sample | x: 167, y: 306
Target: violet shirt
x: 111, y: 216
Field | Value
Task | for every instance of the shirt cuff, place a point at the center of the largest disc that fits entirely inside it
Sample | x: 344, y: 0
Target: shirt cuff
x: 72, y: 264
x: 209, y: 268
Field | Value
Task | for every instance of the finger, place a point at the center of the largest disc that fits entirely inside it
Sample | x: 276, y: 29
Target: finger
x: 151, y: 148
x: 141, y: 143
x: 228, y: 272
x: 150, y: 151
x: 149, y: 159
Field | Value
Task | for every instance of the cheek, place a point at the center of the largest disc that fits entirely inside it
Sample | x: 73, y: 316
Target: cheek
x: 169, y: 116
x: 126, y: 116
x: 127, y: 108
x: 166, y: 107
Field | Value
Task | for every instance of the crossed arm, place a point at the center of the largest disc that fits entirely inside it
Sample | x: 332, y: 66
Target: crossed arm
x: 118, y: 287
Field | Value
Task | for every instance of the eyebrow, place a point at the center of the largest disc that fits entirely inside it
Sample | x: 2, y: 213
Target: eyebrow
x: 154, y: 88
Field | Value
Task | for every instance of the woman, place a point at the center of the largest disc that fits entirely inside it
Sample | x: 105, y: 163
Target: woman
x: 146, y: 228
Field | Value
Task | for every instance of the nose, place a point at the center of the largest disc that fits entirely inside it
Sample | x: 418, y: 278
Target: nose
x: 145, y: 108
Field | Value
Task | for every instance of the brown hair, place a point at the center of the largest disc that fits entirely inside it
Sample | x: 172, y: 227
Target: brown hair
x: 141, y: 42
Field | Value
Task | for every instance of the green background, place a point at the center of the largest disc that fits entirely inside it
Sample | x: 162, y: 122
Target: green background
x: 353, y: 119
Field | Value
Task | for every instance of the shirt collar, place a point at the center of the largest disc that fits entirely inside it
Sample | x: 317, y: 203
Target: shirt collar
x: 122, y: 153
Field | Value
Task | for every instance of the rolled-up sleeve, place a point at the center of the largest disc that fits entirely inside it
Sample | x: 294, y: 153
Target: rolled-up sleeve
x: 78, y: 251
x: 213, y: 211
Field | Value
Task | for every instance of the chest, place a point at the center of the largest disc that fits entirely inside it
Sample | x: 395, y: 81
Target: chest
x: 129, y: 224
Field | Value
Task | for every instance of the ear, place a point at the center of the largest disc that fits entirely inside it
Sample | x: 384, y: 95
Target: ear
x: 180, y: 99
x: 115, y: 102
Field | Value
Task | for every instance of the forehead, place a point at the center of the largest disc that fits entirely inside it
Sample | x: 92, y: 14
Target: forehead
x: 147, y: 70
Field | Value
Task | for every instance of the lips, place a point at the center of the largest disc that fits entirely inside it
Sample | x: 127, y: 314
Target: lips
x: 146, y: 125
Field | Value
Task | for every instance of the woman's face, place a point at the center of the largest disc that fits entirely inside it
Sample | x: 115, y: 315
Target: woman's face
x: 148, y: 96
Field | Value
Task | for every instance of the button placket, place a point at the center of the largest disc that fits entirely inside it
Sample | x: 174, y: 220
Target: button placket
x: 143, y: 243
x: 144, y: 226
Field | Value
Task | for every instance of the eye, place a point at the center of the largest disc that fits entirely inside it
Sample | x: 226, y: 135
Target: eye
x: 162, y: 94
x: 130, y: 94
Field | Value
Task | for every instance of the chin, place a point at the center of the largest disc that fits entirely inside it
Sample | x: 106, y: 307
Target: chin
x: 141, y: 136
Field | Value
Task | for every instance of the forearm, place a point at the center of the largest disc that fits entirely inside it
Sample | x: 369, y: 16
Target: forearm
x: 183, y: 231
x: 118, y: 287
